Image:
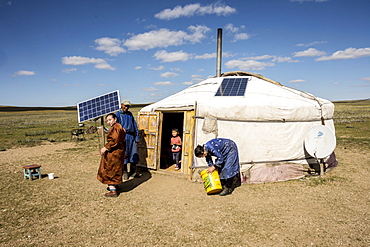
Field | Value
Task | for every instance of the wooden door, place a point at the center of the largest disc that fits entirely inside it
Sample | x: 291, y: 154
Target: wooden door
x: 149, y: 146
x: 188, y: 141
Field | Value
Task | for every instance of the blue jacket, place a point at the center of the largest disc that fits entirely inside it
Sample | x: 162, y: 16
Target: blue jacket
x: 227, y: 156
x: 127, y: 120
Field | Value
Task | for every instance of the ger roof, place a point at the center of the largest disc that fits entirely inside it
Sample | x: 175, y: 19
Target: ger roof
x: 264, y: 99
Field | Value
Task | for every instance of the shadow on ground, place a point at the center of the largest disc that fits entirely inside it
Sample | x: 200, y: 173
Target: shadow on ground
x: 135, y: 182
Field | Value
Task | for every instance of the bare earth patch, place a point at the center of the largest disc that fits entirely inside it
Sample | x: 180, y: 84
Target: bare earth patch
x: 163, y: 208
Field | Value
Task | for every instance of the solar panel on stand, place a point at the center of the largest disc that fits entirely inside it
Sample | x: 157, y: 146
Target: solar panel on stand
x: 98, y: 106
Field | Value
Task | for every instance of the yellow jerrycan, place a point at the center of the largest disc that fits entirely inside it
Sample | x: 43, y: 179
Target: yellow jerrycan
x: 211, y: 182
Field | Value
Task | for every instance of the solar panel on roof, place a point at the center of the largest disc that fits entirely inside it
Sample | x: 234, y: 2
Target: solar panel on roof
x: 232, y: 87
x: 98, y: 106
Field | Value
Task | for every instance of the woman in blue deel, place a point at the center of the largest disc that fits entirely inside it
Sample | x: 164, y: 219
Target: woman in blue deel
x: 227, y: 162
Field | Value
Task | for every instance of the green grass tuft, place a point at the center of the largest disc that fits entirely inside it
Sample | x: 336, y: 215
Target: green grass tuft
x: 318, y: 181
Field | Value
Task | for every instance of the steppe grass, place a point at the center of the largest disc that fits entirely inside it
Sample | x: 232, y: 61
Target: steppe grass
x: 28, y: 127
x: 352, y: 123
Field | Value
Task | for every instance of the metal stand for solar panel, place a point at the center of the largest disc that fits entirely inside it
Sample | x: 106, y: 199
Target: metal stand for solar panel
x: 103, y: 132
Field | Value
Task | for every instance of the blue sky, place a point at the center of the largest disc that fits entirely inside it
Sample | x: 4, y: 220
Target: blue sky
x: 61, y: 52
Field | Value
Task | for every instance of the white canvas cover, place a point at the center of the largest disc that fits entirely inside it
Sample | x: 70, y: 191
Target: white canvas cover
x: 268, y: 123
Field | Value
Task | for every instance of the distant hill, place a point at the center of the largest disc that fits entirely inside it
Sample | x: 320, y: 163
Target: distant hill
x: 65, y: 108
x: 74, y: 108
x: 365, y: 101
x: 20, y: 108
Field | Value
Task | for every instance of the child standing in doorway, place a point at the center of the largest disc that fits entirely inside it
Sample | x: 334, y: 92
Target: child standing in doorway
x: 176, y: 147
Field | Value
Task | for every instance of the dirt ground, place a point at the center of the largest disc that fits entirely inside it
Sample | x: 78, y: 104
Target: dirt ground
x: 164, y: 208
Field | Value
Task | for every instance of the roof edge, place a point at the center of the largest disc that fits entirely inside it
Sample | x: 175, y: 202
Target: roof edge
x: 244, y: 73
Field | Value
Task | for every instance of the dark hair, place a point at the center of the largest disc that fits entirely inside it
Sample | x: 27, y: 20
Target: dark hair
x: 174, y: 129
x: 199, y: 151
x: 112, y: 115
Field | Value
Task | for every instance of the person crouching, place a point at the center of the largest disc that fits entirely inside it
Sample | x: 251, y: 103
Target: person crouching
x: 227, y: 162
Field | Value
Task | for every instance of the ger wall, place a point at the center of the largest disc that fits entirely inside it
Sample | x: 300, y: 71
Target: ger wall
x: 261, y: 141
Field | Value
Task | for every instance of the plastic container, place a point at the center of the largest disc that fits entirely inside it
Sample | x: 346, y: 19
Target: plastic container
x: 211, y: 182
x: 51, y: 175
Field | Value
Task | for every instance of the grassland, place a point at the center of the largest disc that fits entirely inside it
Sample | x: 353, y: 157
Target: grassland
x: 31, y: 126
x: 166, y: 209
x: 352, y: 123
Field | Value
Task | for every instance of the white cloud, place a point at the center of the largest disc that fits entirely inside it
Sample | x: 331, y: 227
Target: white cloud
x: 156, y: 68
x: 206, y: 56
x: 67, y: 71
x: 195, y: 79
x: 231, y: 28
x: 366, y: 79
x: 336, y: 83
x: 236, y: 32
x: 163, y: 38
x: 169, y: 74
x: 99, y: 85
x: 151, y: 26
x: 164, y: 83
x: 104, y: 66
x: 259, y: 57
x: 297, y: 81
x: 24, y: 72
x: 195, y: 9
x: 311, y: 52
x: 156, y: 38
x: 248, y: 65
x: 78, y: 60
x: 227, y: 54
x: 212, y: 55
x: 273, y: 58
x: 177, y: 12
x: 284, y: 59
x: 160, y: 38
x: 349, y: 53
x: 172, y: 56
x: 302, y: 1
x: 110, y: 46
x: 140, y: 20
x: 138, y: 67
x: 155, y: 95
x: 198, y: 33
x: 149, y: 89
x: 241, y: 36
x: 187, y: 83
x: 312, y: 43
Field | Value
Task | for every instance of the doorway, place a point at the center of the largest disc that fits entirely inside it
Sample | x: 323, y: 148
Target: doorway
x: 170, y: 121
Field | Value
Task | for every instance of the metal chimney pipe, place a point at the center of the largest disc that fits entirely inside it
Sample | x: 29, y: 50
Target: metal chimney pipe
x: 219, y: 52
